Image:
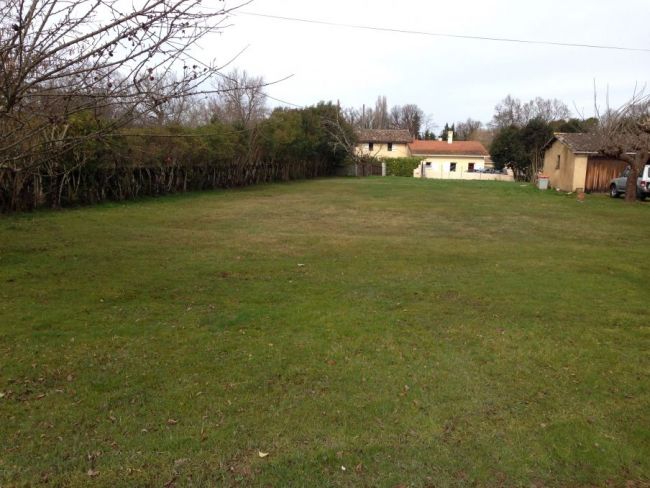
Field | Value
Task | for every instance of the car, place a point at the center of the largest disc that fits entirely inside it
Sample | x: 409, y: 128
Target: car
x: 617, y: 185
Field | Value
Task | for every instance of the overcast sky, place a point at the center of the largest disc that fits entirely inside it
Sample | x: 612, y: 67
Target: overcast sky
x: 450, y: 79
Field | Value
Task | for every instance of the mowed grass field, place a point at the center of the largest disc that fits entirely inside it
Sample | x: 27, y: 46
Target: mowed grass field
x: 336, y: 332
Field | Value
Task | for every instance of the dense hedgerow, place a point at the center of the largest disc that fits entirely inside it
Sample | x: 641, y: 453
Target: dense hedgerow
x: 137, y: 161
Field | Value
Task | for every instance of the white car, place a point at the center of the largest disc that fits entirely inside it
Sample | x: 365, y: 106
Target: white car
x: 617, y: 185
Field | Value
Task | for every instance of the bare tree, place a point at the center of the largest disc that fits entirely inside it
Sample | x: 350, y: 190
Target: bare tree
x: 242, y: 98
x: 352, y: 116
x: 380, y: 115
x: 341, y: 135
x: 109, y: 60
x: 411, y: 119
x: 511, y: 111
x: 395, y: 117
x: 624, y: 133
x: 468, y: 130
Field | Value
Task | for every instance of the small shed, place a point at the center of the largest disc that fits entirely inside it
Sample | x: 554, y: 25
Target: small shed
x: 572, y: 162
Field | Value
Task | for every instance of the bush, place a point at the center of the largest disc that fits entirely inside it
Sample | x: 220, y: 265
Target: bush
x: 126, y: 163
x: 401, y: 166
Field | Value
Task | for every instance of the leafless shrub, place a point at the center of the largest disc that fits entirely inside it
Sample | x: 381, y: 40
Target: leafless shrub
x: 108, y: 61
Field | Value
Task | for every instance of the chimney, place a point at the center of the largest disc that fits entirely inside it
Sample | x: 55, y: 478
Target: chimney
x: 450, y: 136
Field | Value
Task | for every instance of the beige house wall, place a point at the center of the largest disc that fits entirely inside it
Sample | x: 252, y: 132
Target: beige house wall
x: 465, y: 176
x: 572, y: 170
x: 380, y: 150
x: 580, y: 172
x: 439, y: 166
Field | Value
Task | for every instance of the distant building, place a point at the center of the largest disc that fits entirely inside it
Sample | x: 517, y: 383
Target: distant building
x: 383, y: 143
x: 450, y: 159
x: 572, y: 162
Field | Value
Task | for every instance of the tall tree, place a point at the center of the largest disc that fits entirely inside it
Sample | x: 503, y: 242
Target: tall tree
x: 380, y: 115
x: 624, y: 133
x: 508, y: 150
x: 395, y: 117
x: 521, y: 148
x: 445, y: 132
x: 575, y: 125
x: 535, y: 135
x: 467, y: 131
x: 242, y: 98
x: 106, y: 62
x: 511, y: 111
x: 411, y: 119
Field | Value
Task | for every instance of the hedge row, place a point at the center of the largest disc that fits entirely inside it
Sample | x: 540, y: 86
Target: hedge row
x: 401, y: 166
x: 290, y: 144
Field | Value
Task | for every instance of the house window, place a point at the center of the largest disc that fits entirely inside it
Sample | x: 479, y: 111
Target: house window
x: 390, y: 146
x: 557, y: 162
x: 452, y: 167
x: 470, y: 167
x: 371, y: 146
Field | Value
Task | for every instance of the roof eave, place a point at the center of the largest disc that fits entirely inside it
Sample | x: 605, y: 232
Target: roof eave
x: 431, y: 155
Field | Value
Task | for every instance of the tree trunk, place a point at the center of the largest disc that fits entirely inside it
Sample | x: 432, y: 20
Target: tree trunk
x: 630, y: 188
x: 636, y: 168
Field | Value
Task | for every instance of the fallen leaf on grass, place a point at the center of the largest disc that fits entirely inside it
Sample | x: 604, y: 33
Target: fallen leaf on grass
x: 262, y: 454
x: 172, y: 422
x: 92, y: 473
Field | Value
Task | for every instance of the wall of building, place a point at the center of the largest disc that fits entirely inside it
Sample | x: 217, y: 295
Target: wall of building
x: 571, y: 171
x: 465, y: 176
x: 440, y: 166
x: 380, y: 150
x: 579, y: 172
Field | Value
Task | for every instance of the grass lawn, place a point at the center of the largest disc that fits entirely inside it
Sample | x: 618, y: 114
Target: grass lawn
x: 362, y: 332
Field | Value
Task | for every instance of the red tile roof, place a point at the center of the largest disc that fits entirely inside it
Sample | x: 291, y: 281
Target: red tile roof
x: 439, y: 148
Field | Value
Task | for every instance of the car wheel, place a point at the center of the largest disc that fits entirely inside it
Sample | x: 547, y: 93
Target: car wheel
x: 613, y: 192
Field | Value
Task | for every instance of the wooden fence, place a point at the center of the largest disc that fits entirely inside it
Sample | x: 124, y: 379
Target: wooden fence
x: 600, y: 172
x: 88, y: 185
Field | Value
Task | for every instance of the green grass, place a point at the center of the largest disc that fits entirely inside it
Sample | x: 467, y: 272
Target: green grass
x: 417, y: 333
